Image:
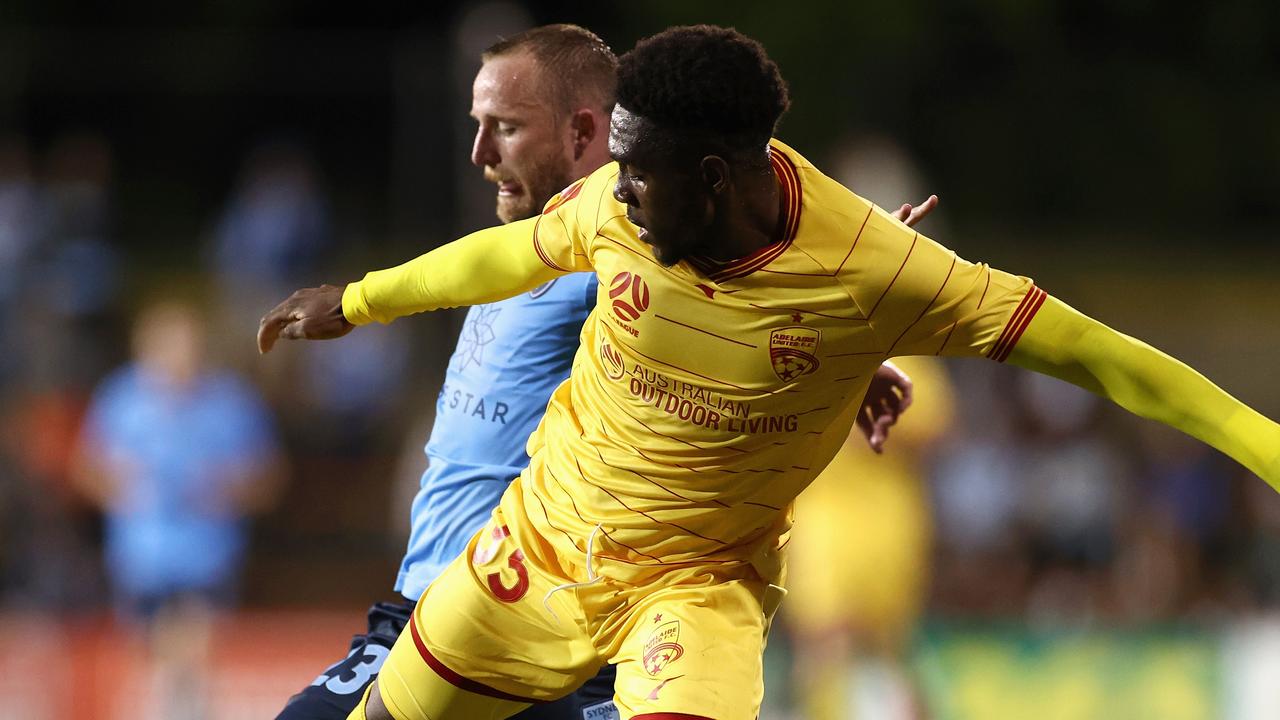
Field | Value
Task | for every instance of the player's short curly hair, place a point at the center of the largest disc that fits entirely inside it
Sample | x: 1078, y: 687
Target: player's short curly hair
x: 703, y: 79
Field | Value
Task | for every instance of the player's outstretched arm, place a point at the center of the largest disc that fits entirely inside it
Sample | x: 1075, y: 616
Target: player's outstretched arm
x: 1071, y: 346
x: 485, y: 266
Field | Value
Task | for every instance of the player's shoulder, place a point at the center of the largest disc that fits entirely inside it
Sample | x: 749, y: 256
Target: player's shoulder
x: 586, y: 193
x: 817, y: 190
x: 831, y: 217
x: 793, y: 156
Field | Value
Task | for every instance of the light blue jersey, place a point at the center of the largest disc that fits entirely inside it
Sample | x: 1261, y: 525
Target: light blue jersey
x: 511, y: 355
x: 167, y: 527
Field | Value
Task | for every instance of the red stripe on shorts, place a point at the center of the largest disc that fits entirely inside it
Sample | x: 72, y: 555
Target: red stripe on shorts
x: 454, y: 678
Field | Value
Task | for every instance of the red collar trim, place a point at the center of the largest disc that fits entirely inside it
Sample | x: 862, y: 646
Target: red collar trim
x: 789, y: 182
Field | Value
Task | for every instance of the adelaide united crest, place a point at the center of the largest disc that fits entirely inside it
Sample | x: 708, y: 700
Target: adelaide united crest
x: 662, y: 646
x: 793, y: 352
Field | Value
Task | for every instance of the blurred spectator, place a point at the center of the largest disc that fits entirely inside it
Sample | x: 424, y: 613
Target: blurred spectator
x: 70, y: 333
x: 22, y: 227
x: 48, y: 560
x: 351, y: 391
x: 272, y: 238
x: 78, y: 183
x: 1074, y: 485
x: 177, y: 455
x: 272, y: 232
x: 1259, y: 537
x: 59, y: 285
x: 860, y: 548
x: 1175, y: 550
x: 860, y: 564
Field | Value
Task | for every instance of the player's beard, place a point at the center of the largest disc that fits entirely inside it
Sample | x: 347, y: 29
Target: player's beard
x: 669, y: 255
x: 542, y: 178
x: 680, y: 237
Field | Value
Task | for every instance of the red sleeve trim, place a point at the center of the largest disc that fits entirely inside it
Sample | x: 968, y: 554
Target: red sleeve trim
x: 1022, y: 316
x: 454, y: 678
x: 542, y: 254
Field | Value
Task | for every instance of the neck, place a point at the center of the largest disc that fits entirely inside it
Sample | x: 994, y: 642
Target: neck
x: 594, y: 157
x: 752, y: 217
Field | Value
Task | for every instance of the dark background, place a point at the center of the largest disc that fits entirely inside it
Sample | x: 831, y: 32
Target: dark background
x: 1044, y: 119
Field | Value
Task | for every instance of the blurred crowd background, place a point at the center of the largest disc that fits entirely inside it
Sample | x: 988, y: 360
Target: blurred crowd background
x: 165, y: 178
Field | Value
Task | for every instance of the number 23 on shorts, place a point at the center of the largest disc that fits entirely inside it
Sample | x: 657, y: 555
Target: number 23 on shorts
x: 515, y: 561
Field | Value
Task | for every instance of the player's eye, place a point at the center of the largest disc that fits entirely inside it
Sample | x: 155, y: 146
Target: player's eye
x: 506, y: 129
x: 628, y: 176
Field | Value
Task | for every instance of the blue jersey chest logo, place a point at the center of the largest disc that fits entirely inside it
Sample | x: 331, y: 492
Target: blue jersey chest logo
x: 477, y: 333
x: 542, y: 289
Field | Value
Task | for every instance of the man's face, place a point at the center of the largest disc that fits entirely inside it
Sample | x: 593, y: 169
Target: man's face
x: 168, y: 342
x: 522, y: 142
x: 663, y: 199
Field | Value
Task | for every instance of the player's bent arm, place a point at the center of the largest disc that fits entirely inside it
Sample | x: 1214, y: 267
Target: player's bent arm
x: 485, y: 266
x: 1071, y: 346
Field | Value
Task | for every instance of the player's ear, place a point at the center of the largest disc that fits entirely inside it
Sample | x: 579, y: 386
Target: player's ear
x: 715, y: 174
x: 583, y: 128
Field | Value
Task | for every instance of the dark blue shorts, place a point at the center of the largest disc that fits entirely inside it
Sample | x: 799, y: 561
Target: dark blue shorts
x: 334, y: 694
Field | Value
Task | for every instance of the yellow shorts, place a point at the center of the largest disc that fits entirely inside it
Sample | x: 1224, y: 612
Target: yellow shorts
x: 493, y: 634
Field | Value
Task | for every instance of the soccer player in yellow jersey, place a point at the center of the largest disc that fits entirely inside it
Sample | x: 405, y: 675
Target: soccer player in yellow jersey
x: 745, y: 301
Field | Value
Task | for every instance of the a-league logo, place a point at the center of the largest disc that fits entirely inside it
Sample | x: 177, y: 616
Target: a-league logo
x: 614, y: 366
x: 630, y: 296
x: 792, y: 352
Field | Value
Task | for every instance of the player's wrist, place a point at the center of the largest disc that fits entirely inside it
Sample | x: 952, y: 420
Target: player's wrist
x: 352, y: 307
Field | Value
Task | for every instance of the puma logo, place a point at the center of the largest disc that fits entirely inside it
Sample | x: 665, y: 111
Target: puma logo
x: 653, y: 695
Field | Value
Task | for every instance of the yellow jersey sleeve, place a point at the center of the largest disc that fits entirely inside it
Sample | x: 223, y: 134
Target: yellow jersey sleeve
x: 922, y: 299
x: 563, y: 232
x: 490, y: 264
x: 485, y: 266
x: 1074, y: 347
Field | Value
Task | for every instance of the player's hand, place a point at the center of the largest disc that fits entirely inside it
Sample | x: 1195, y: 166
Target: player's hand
x: 308, y: 314
x: 911, y: 215
x: 888, y: 397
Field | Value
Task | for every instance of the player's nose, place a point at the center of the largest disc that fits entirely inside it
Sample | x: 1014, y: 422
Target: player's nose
x: 483, y: 151
x: 622, y: 191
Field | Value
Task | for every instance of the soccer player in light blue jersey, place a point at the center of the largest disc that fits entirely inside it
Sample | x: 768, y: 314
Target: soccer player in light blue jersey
x: 512, y: 354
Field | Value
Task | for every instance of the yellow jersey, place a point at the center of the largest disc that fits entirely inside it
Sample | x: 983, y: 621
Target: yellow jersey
x: 706, y: 396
